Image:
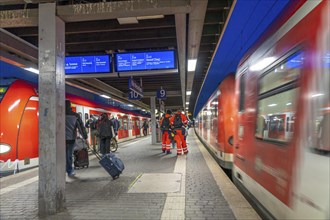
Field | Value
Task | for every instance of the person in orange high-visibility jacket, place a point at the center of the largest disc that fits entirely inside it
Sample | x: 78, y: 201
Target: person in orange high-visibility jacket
x: 178, y: 121
x: 166, y: 132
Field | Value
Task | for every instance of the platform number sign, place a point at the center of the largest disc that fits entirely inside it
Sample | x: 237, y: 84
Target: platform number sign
x: 161, y: 94
x: 132, y: 95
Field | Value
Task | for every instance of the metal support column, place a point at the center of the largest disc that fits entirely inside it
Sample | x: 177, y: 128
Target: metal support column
x: 153, y: 120
x: 51, y: 111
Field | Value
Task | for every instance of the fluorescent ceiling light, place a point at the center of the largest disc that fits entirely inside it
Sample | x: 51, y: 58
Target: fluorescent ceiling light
x: 187, y: 103
x: 192, y: 64
x: 316, y: 95
x: 289, y: 103
x: 105, y: 96
x: 130, y: 105
x: 33, y: 70
x: 149, y: 17
x: 128, y: 20
x: 187, y: 107
x: 271, y: 105
x: 188, y: 92
x: 262, y: 64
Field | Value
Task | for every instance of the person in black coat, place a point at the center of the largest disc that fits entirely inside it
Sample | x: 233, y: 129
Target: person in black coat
x: 73, y: 123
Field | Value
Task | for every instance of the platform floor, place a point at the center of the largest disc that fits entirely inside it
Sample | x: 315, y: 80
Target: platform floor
x: 152, y: 186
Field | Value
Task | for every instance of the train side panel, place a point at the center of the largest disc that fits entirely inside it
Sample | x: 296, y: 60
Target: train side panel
x: 276, y: 134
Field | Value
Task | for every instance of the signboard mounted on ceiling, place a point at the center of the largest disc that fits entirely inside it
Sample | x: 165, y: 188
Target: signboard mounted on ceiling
x: 142, y: 61
x: 87, y: 64
x: 135, y: 89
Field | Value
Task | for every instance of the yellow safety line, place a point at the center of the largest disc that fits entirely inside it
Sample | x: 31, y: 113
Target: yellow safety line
x: 130, y: 186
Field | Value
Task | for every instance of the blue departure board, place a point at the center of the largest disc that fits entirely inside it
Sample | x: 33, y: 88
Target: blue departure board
x: 87, y: 64
x: 155, y: 60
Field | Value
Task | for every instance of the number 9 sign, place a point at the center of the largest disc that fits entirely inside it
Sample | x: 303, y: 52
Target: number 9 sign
x: 161, y: 94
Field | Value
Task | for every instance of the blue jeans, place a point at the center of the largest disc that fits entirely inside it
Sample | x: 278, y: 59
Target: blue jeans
x: 69, y: 152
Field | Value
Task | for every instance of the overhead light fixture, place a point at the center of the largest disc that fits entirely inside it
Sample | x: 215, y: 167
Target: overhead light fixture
x: 188, y: 92
x: 272, y: 105
x: 130, y: 105
x: 316, y: 95
x: 149, y: 17
x: 105, y: 96
x: 187, y: 103
x: 192, y: 64
x: 262, y: 64
x: 33, y: 70
x: 128, y: 20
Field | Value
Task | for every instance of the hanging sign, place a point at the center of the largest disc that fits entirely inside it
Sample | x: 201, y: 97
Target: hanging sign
x: 134, y: 96
x: 134, y: 86
x: 161, y: 94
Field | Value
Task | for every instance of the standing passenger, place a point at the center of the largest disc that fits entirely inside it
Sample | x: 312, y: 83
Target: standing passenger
x: 145, y: 127
x: 166, y: 132
x: 105, y: 134
x: 177, y: 121
x: 92, y: 124
x: 72, y: 122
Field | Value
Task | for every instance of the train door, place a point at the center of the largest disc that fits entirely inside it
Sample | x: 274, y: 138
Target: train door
x: 312, y: 193
x: 28, y: 133
x: 136, y: 129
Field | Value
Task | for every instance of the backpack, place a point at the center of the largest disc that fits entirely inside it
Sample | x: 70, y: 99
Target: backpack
x: 165, y: 124
x: 93, y: 125
x: 105, y: 130
x: 177, y: 121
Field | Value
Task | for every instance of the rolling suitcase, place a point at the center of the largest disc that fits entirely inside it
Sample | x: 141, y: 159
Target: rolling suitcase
x: 80, y: 154
x: 112, y: 164
x: 81, y: 159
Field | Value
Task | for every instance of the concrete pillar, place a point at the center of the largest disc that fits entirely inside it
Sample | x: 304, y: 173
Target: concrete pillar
x: 51, y: 111
x: 153, y: 120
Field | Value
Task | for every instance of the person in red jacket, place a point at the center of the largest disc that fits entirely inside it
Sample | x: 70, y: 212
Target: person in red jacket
x: 166, y: 132
x: 178, y: 121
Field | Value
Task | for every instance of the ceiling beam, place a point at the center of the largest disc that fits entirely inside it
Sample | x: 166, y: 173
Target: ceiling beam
x: 96, y: 11
x: 196, y: 21
x: 181, y: 27
x: 175, y: 93
x: 16, y: 45
x: 137, y: 44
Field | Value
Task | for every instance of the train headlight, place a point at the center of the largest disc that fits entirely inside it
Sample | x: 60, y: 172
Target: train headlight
x: 4, y: 148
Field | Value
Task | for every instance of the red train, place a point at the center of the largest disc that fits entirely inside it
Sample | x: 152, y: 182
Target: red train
x: 281, y: 157
x: 214, y: 124
x: 19, y: 120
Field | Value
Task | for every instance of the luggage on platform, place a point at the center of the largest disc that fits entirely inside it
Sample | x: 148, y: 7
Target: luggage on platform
x: 81, y: 159
x: 112, y: 164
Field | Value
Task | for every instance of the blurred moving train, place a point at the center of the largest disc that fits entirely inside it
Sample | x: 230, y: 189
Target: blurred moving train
x: 281, y: 117
x: 19, y: 117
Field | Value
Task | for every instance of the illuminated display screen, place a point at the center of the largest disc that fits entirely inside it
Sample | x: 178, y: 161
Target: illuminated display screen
x: 87, y: 64
x: 156, y: 60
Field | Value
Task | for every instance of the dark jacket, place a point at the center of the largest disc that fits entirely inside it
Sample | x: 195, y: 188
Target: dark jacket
x: 72, y: 123
x: 105, y: 127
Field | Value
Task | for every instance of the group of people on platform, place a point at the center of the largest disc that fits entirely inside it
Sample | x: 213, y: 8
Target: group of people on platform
x: 101, y: 127
x: 174, y: 128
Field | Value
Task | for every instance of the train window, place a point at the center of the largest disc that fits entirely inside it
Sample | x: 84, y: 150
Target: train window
x: 241, y: 92
x: 86, y: 117
x: 282, y: 74
x: 277, y: 100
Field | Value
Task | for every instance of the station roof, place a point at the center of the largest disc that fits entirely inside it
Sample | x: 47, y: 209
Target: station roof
x: 191, y: 27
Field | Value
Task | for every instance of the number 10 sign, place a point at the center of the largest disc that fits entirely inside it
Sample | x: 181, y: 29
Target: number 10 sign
x: 161, y: 94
